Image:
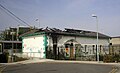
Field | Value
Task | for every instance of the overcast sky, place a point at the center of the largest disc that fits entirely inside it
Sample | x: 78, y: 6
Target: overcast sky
x: 62, y: 14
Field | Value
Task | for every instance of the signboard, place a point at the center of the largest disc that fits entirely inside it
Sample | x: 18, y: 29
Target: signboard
x: 67, y: 51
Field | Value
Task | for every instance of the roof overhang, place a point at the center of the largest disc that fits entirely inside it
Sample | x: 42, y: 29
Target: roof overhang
x: 10, y: 41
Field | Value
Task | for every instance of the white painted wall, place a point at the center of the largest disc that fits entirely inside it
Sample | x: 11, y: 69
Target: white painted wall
x: 83, y: 40
x: 33, y: 46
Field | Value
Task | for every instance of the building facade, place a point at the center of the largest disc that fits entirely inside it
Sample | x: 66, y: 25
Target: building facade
x: 9, y: 39
x: 67, y: 44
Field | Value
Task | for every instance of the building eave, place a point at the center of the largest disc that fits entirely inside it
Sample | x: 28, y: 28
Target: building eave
x: 67, y: 32
x: 33, y: 34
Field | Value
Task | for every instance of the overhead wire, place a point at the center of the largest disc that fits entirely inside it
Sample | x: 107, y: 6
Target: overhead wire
x: 14, y: 15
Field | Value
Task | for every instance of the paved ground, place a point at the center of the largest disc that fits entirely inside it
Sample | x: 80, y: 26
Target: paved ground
x: 57, y: 67
x: 118, y: 68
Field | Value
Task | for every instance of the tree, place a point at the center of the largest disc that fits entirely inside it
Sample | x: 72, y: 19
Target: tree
x: 2, y: 35
x: 7, y: 36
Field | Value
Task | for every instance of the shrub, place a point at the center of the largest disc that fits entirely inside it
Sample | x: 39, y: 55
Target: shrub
x: 16, y: 58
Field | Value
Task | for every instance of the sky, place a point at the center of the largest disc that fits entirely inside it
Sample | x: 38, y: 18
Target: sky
x: 74, y: 14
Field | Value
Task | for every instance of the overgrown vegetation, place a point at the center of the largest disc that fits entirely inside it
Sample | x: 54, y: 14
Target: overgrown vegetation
x: 111, y: 58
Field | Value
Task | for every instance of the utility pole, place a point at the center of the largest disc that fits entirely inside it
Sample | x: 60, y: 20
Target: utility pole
x: 18, y: 33
x: 93, y: 15
x: 12, y: 33
x: 38, y: 22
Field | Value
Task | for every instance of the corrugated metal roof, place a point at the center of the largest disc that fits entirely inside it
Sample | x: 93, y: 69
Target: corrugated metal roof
x: 67, y: 31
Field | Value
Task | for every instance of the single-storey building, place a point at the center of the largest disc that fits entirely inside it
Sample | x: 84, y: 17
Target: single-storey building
x: 62, y: 44
x: 115, y: 45
x: 115, y: 40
